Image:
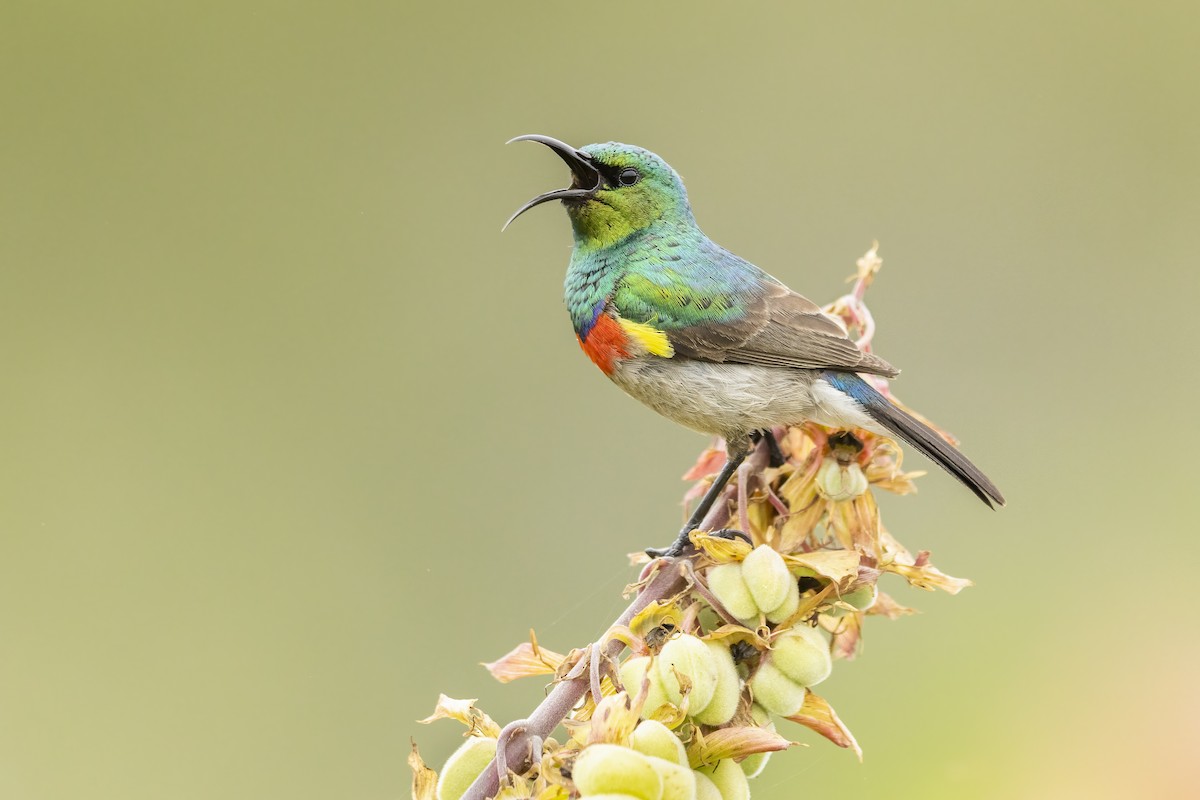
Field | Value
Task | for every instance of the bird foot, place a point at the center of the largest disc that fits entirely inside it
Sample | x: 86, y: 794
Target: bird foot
x: 732, y: 533
x: 684, y: 541
x: 676, y: 548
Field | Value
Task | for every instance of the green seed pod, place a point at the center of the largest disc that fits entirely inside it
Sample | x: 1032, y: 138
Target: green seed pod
x: 612, y: 769
x: 705, y: 788
x: 728, y: 692
x: 727, y: 585
x: 789, y: 605
x: 753, y: 765
x: 803, y: 655
x: 689, y: 656
x: 861, y: 598
x: 632, y: 671
x: 729, y: 778
x: 836, y: 482
x: 464, y: 766
x: 767, y: 577
x: 678, y: 781
x: 775, y: 691
x: 652, y: 738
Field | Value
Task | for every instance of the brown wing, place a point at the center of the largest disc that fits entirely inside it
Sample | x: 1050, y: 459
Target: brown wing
x: 780, y: 329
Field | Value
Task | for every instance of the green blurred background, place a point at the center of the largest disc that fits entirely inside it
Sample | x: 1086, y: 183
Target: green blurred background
x: 293, y: 438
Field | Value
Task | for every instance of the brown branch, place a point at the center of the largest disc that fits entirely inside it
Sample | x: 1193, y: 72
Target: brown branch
x: 520, y: 740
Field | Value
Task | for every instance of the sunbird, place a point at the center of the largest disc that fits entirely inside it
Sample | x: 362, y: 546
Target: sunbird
x: 704, y: 337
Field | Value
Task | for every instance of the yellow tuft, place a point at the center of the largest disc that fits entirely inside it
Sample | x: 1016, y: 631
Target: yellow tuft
x: 650, y: 338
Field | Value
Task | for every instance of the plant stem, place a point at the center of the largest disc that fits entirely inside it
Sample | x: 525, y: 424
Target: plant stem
x: 517, y: 738
x: 523, y: 737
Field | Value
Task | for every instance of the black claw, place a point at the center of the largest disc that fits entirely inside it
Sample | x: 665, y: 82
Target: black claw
x: 732, y: 533
x: 676, y: 547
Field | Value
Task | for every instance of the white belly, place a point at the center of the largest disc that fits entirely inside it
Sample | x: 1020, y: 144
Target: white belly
x: 730, y: 400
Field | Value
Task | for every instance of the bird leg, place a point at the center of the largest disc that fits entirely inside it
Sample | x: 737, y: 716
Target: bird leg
x: 733, y: 460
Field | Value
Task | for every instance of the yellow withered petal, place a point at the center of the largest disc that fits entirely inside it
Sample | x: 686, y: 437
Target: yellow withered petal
x: 846, y: 635
x: 885, y: 606
x: 736, y: 742
x: 464, y: 711
x: 754, y: 764
x: 838, y: 566
x: 819, y: 716
x: 424, y: 783
x: 654, y: 620
x: 927, y: 576
x: 524, y: 660
x: 720, y: 549
x: 613, y: 720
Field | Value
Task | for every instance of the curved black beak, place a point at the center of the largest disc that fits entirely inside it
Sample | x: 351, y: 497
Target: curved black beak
x: 585, y: 178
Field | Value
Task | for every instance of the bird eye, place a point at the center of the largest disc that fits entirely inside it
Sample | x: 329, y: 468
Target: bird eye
x: 629, y: 177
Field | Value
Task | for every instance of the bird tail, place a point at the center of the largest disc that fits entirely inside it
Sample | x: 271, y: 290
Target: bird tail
x: 916, y: 433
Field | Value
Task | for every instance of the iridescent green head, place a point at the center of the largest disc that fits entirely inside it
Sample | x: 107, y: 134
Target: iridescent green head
x: 617, y: 190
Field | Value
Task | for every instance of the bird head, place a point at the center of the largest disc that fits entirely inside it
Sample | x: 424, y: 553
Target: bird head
x: 617, y: 190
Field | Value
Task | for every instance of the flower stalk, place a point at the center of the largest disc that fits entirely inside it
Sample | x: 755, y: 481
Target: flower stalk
x: 520, y: 742
x: 722, y: 641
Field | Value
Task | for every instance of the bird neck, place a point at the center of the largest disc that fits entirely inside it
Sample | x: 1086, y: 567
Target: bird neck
x: 595, y: 270
x: 598, y: 225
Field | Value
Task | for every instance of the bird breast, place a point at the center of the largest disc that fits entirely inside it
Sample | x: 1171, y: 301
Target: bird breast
x: 613, y: 339
x: 730, y: 400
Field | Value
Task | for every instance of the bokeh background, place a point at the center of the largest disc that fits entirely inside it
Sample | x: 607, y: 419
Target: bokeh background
x: 292, y: 438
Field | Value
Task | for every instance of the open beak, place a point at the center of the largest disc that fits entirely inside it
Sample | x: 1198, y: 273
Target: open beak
x: 585, y: 178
